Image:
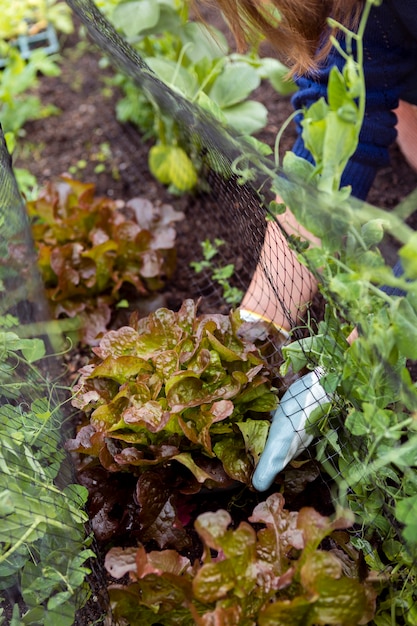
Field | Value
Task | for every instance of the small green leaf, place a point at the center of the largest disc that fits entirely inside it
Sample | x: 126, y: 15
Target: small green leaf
x: 246, y: 117
x: 207, y: 42
x: 174, y: 75
x: 408, y: 255
x: 405, y: 327
x: 209, y: 105
x: 171, y: 165
x: 234, y: 85
x: 278, y: 75
x: 135, y: 16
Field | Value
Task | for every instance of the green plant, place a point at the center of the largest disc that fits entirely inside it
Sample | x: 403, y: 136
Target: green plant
x: 371, y: 430
x: 44, y: 547
x: 25, y: 17
x: 91, y: 250
x: 271, y: 572
x: 100, y: 157
x: 220, y: 274
x: 179, y: 400
x: 26, y: 181
x: 17, y: 79
x: 194, y: 60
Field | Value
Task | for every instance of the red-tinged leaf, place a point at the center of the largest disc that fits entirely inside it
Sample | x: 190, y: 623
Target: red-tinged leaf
x: 270, y: 511
x: 166, y: 364
x: 231, y: 451
x: 340, y: 600
x: 221, y: 410
x: 186, y: 459
x: 284, y: 525
x: 188, y: 390
x: 163, y: 238
x: 239, y: 543
x: 147, y: 215
x: 121, y: 368
x: 167, y: 529
x: 107, y: 417
x: 83, y: 442
x: 196, y: 427
x: 83, y: 191
x: 103, y: 256
x: 220, y: 616
x: 212, y: 527
x: 131, y: 436
x: 115, y: 343
x: 196, y: 422
x: 65, y: 263
x: 319, y: 565
x: 255, y: 433
x: 219, y: 478
x: 151, y: 494
x: 186, y: 316
x: 226, y: 353
x: 135, y: 605
x: 106, y: 457
x: 94, y: 322
x: 151, y: 264
x: 213, y: 581
x: 166, y: 561
x: 44, y: 263
x: 144, y: 211
x: 199, y: 361
x: 130, y: 236
x: 135, y: 393
x: 120, y: 561
x: 129, y: 456
x: 150, y: 415
x: 286, y: 612
x: 314, y: 526
x: 183, y: 380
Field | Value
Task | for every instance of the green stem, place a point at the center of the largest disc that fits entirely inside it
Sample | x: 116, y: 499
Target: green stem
x: 20, y: 542
x: 281, y: 132
x: 179, y: 62
x: 207, y: 79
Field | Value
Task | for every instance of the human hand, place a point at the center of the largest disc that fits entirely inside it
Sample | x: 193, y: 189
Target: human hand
x: 287, y: 436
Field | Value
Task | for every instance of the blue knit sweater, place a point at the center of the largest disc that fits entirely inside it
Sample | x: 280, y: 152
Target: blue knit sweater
x: 390, y: 67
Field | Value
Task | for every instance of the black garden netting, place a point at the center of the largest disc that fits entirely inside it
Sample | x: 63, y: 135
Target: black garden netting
x: 362, y: 460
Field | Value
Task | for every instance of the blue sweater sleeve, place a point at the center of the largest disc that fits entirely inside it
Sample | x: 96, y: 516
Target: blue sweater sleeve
x: 390, y: 67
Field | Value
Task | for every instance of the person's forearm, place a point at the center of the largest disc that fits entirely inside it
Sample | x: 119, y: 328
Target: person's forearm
x: 281, y: 287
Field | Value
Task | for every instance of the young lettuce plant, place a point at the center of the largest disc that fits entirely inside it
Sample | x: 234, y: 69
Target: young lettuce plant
x: 178, y: 400
x: 91, y: 250
x: 270, y: 570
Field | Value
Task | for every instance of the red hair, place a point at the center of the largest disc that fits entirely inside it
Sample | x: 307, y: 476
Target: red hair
x: 296, y: 28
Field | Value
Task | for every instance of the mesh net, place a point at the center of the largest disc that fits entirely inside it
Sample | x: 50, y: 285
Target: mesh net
x: 364, y: 453
x: 45, y: 542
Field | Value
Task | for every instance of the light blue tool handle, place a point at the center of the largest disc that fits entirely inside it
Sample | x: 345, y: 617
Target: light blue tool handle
x: 287, y: 436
